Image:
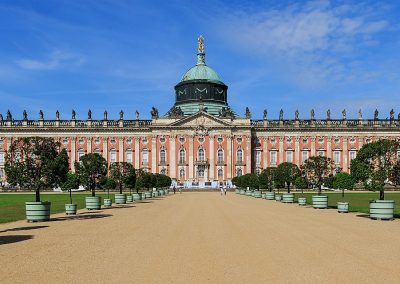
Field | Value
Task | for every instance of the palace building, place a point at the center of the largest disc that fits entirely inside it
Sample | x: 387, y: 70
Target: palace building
x: 201, y: 141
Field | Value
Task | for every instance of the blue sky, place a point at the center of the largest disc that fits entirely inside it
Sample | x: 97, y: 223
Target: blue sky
x: 113, y: 55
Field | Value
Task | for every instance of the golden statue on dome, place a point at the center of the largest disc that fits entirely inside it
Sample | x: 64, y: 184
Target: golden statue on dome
x: 200, y: 44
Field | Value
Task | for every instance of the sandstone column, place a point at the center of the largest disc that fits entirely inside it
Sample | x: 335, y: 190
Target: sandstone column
x: 137, y: 141
x: 153, y: 153
x: 212, y: 163
x: 190, y: 157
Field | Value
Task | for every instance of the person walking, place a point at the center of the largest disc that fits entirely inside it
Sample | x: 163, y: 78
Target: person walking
x: 221, y: 189
x: 174, y: 188
x: 225, y: 189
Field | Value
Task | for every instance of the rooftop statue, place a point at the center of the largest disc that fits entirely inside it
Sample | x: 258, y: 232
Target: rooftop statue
x: 265, y: 114
x: 328, y: 114
x: 376, y: 114
x: 344, y: 114
x: 154, y: 113
x: 296, y: 114
x: 137, y: 115
x: 226, y: 112
x: 247, y: 113
x: 392, y: 114
x: 281, y: 114
x: 360, y: 114
x: 312, y: 114
x: 25, y: 115
x: 73, y: 115
x: 41, y: 115
x: 89, y: 114
x: 105, y: 114
x: 175, y: 112
x: 57, y: 115
x: 200, y: 44
x: 121, y: 115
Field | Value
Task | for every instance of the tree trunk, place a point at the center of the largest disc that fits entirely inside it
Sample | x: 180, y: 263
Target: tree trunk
x: 319, y: 189
x: 70, y: 196
x: 37, y: 193
x: 93, y: 189
x: 381, y: 195
x: 120, y: 188
x: 288, y: 187
x: 342, y: 192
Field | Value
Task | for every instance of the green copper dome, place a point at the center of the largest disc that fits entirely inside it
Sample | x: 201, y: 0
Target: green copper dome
x: 201, y: 72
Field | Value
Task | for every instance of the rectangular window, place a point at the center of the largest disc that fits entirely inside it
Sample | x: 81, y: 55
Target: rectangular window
x: 1, y: 158
x: 258, y: 157
x: 321, y: 153
x: 113, y: 157
x: 129, y: 156
x: 336, y: 157
x: 273, y: 157
x: 289, y: 156
x: 353, y: 155
x: 304, y: 156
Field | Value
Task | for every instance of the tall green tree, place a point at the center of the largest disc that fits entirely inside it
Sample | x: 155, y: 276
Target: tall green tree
x: 301, y: 183
x: 71, y: 182
x: 122, y: 172
x: 286, y: 173
x: 374, y: 165
x: 144, y: 180
x: 36, y: 162
x: 91, y: 169
x: 343, y: 181
x: 267, y: 178
x: 315, y: 169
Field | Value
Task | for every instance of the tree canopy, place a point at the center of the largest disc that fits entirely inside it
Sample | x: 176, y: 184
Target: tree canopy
x: 343, y: 181
x: 267, y: 178
x: 36, y: 162
x: 123, y: 174
x: 286, y: 173
x: 315, y: 169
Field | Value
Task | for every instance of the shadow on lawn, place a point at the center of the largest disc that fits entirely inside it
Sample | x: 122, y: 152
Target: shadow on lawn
x: 14, y: 239
x: 24, y: 228
x: 80, y: 217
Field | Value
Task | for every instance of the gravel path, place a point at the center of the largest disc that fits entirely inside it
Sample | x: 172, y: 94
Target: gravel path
x: 202, y: 238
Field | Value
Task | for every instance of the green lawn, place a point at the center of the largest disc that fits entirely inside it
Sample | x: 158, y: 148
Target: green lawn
x: 12, y: 206
x: 358, y: 201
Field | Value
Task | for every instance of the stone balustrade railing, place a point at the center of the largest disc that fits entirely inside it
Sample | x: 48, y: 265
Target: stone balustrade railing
x: 332, y: 123
x: 75, y: 123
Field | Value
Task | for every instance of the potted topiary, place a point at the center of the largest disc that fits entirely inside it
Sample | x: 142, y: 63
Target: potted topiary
x: 301, y: 183
x: 376, y: 165
x: 343, y: 181
x: 36, y: 162
x: 267, y: 180
x: 286, y: 173
x: 91, y: 169
x: 71, y: 182
x: 108, y: 183
x: 316, y: 169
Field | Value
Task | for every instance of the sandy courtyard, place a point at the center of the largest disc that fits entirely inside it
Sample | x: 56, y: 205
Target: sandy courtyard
x: 202, y: 238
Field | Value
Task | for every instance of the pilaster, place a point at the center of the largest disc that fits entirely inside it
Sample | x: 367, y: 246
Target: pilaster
x: 190, y: 156
x: 120, y: 149
x: 172, y: 156
x: 154, y: 153
x: 297, y: 151
x: 137, y: 141
x: 345, y: 154
x: 248, y: 154
x: 212, y: 163
x: 73, y: 153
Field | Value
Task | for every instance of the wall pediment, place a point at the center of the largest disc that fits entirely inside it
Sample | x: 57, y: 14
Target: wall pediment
x: 201, y: 119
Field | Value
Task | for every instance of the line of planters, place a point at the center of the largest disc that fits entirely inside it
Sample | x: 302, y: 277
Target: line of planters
x: 375, y: 166
x: 37, y: 162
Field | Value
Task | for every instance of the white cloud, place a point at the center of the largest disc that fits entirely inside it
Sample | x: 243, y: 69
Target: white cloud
x: 55, y: 60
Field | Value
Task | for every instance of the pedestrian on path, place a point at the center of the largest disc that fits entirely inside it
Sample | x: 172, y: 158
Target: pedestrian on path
x: 225, y: 189
x: 221, y: 189
x: 174, y: 188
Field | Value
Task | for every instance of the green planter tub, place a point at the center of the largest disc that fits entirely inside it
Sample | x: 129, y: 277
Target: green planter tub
x: 70, y: 209
x: 270, y: 195
x: 278, y: 197
x: 147, y: 194
x: 381, y: 209
x: 302, y: 201
x: 136, y: 196
x: 263, y: 195
x: 154, y: 194
x: 320, y: 201
x: 143, y: 195
x: 237, y: 190
x: 107, y: 202
x: 120, y: 198
x: 288, y: 198
x: 37, y: 211
x: 257, y: 194
x: 93, y: 202
x: 242, y: 192
x: 129, y: 198
x: 249, y: 193
x: 343, y: 207
x: 162, y: 192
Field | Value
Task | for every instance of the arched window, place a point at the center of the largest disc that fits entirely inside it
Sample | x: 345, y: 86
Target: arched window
x: 220, y: 173
x: 182, y: 173
x: 128, y: 156
x: 113, y: 156
x: 162, y: 156
x: 239, y: 155
x: 220, y: 156
x: 201, y: 154
x: 182, y: 156
x: 145, y: 156
x: 201, y: 172
x: 239, y: 172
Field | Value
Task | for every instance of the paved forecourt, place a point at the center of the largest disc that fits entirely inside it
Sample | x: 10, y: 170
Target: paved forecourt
x: 202, y: 238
